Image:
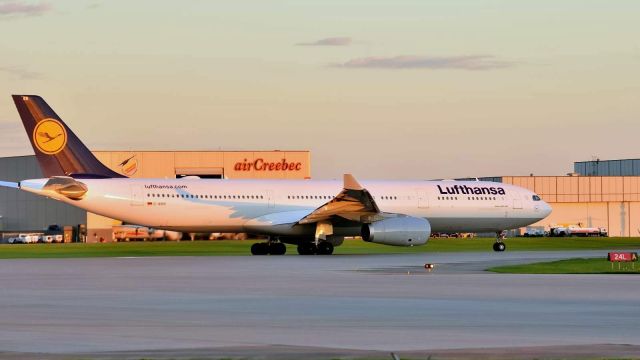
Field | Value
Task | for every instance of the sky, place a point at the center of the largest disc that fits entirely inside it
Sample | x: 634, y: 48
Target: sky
x: 381, y: 89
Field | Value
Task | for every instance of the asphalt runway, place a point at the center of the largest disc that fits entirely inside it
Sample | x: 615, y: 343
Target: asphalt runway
x: 326, y: 304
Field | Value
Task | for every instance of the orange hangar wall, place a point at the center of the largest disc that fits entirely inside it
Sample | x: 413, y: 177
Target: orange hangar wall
x: 612, y: 202
x: 209, y: 164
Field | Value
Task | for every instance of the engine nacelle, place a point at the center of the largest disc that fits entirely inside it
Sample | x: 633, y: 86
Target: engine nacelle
x: 398, y: 231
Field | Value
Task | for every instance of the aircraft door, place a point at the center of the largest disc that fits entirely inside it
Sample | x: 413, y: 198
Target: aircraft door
x: 517, y: 203
x: 269, y: 198
x: 137, y: 196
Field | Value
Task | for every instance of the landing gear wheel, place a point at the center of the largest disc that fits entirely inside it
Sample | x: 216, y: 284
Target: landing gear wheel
x: 499, y: 247
x: 325, y: 248
x: 260, y: 249
x: 277, y: 248
x: 307, y: 249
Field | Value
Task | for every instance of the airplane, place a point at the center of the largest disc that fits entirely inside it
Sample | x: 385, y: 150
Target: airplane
x: 314, y: 215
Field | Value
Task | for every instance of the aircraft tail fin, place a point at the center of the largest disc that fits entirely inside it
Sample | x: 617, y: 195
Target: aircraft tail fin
x: 58, y: 149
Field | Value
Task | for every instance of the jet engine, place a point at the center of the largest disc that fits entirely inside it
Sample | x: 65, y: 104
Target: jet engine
x: 397, y: 231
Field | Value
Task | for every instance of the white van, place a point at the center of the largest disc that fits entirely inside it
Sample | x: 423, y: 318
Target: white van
x: 23, y: 239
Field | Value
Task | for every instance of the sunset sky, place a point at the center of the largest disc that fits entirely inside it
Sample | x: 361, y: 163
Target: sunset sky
x: 380, y: 89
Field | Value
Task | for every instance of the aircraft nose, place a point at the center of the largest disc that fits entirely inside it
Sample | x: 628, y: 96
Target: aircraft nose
x: 545, y: 209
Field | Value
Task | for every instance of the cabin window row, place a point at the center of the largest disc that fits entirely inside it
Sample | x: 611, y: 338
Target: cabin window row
x: 468, y: 198
x: 191, y: 196
x: 296, y: 197
x: 249, y: 197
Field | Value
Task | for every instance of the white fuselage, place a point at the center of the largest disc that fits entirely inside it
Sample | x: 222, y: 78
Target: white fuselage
x: 272, y: 207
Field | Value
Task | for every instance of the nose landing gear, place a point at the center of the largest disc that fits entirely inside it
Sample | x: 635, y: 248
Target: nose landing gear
x: 499, y: 245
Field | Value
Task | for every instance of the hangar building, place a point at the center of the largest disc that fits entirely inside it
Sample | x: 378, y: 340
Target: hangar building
x: 600, y: 193
x: 612, y: 202
x: 22, y: 211
x: 626, y: 167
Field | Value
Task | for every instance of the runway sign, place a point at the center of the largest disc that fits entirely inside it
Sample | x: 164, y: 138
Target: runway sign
x: 622, y: 256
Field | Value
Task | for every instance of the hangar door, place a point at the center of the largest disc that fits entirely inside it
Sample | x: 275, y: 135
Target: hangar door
x: 201, y: 172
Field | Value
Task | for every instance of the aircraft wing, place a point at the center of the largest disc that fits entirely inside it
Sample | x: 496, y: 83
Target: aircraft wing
x: 353, y: 203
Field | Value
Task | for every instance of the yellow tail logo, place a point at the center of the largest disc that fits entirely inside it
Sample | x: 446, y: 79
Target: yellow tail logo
x: 49, y: 136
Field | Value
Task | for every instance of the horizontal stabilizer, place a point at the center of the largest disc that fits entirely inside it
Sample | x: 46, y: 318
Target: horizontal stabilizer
x: 67, y: 186
x: 9, y: 184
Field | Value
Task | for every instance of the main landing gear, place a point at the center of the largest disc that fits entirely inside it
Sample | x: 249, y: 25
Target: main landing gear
x: 310, y: 248
x: 268, y: 248
x: 499, y: 245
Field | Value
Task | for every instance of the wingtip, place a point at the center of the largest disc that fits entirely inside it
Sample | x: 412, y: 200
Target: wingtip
x: 350, y: 183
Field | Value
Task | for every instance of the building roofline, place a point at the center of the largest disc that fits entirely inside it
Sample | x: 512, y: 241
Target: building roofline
x: 203, y: 151
x: 591, y: 161
x: 16, y: 156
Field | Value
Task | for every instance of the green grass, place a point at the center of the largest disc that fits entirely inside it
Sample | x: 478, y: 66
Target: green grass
x: 570, y: 266
x: 236, y: 247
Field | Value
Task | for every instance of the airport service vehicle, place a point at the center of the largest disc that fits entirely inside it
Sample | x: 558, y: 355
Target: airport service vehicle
x: 532, y: 232
x: 47, y: 239
x: 136, y: 232
x: 23, y: 239
x: 575, y: 230
x: 228, y: 236
x: 314, y: 215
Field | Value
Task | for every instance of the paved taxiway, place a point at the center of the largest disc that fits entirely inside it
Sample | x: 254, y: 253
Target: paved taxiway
x: 368, y: 302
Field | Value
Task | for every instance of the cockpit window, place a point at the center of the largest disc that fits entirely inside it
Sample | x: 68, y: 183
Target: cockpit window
x: 536, y: 198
